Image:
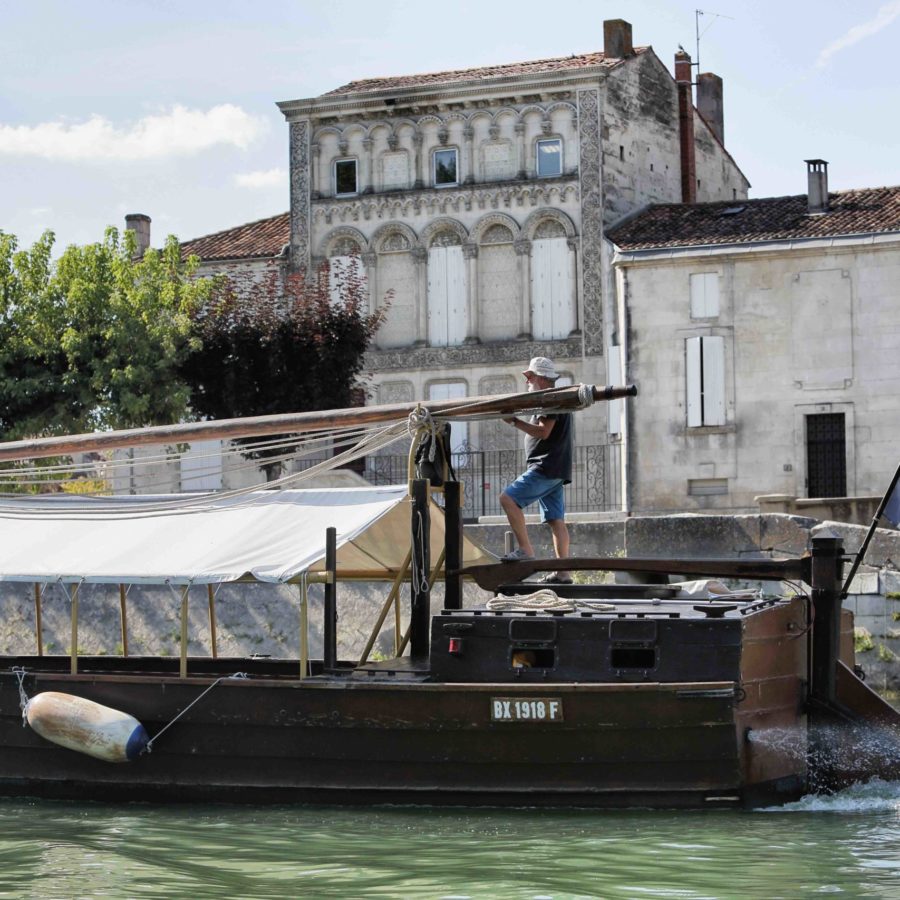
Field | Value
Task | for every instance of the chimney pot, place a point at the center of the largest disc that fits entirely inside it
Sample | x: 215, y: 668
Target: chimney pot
x: 140, y: 225
x: 686, y: 127
x: 617, y: 39
x: 683, y: 67
x: 817, y: 185
x: 709, y: 103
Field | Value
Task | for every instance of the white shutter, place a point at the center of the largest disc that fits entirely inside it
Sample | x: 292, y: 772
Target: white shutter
x: 437, y: 297
x: 713, y: 380
x: 563, y: 301
x: 704, y: 295
x: 614, y: 376
x: 694, y: 386
x: 456, y: 296
x: 201, y: 466
x: 541, y: 291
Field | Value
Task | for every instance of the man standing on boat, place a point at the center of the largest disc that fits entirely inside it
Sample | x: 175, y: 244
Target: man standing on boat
x: 548, y: 467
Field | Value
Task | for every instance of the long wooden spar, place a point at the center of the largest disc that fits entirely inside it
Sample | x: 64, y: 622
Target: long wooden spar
x: 562, y: 399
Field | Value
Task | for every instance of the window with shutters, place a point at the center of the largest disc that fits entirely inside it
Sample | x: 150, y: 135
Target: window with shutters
x: 705, y: 381
x: 446, y: 291
x: 201, y: 466
x: 552, y: 283
x: 704, y: 295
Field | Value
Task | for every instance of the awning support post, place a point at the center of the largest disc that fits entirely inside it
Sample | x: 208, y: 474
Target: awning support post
x: 211, y: 602
x: 304, y: 625
x: 74, y: 645
x: 182, y: 672
x: 123, y: 619
x: 38, y: 619
x: 329, y: 630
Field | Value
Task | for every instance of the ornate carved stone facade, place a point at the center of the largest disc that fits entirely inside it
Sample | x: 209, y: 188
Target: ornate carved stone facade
x: 479, y: 207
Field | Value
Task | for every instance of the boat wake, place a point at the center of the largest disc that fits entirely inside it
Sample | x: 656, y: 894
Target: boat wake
x: 875, y: 795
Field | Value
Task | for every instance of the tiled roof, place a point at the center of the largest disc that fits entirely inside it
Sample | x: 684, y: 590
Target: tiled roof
x: 255, y: 240
x: 534, y: 67
x: 769, y: 219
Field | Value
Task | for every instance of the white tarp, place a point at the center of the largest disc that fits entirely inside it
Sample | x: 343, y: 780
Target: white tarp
x: 271, y: 536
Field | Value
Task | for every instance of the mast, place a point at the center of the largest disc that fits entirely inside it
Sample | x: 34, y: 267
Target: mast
x: 561, y: 399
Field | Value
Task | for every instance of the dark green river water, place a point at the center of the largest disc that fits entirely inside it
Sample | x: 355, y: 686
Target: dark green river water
x: 848, y: 844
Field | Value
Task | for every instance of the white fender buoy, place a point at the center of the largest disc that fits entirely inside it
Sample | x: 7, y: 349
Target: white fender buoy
x: 86, y: 727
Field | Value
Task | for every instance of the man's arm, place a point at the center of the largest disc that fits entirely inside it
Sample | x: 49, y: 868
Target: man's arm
x: 540, y: 429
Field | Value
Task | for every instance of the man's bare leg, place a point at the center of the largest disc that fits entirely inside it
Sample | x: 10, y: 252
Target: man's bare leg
x: 517, y: 523
x: 560, y: 533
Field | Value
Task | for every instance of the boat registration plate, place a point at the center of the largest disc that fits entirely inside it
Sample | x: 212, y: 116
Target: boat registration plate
x: 513, y: 709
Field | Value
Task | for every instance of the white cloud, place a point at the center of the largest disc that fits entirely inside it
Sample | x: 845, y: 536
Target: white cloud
x: 266, y: 179
x: 178, y: 132
x: 885, y: 15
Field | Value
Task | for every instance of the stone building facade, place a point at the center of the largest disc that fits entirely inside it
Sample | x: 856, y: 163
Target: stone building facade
x: 764, y: 338
x: 477, y: 201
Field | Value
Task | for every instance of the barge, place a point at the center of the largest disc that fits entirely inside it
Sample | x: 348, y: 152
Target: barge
x: 607, y: 695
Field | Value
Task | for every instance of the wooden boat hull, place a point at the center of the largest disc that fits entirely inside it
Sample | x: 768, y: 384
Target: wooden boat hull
x: 273, y: 740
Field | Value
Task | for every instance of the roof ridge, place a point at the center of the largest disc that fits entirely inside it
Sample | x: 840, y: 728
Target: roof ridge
x: 412, y: 76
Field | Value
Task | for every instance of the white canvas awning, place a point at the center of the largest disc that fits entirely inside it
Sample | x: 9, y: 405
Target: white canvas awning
x: 271, y: 536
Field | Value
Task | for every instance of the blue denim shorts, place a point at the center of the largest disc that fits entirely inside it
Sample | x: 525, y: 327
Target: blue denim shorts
x: 548, y: 492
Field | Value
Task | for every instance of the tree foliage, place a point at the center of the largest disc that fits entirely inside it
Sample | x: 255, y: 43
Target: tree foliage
x: 281, y: 343
x: 95, y: 340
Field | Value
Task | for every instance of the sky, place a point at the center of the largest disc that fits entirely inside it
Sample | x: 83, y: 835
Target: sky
x: 167, y: 107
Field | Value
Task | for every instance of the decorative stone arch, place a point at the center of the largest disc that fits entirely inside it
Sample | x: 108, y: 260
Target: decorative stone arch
x: 505, y: 111
x: 327, y: 129
x: 482, y: 114
x: 426, y: 120
x: 532, y: 108
x: 562, y: 104
x: 485, y: 223
x: 390, y: 229
x: 337, y: 238
x: 444, y: 223
x: 353, y: 127
x: 456, y: 117
x: 380, y: 123
x: 547, y: 214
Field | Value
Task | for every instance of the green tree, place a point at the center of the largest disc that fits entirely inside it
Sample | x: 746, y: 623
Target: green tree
x: 97, y: 339
x: 281, y: 344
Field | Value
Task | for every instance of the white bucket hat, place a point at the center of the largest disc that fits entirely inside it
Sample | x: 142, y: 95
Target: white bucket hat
x: 542, y: 366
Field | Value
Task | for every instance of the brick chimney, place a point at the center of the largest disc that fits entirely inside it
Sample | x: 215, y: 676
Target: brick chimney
x: 686, y: 127
x: 709, y: 103
x: 140, y: 225
x: 617, y: 39
x: 817, y: 181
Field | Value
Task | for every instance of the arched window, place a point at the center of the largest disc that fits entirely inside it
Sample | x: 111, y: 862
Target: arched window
x: 346, y: 270
x: 446, y: 291
x: 552, y: 282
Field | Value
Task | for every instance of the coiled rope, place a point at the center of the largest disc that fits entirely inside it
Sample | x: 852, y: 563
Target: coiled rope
x: 543, y: 599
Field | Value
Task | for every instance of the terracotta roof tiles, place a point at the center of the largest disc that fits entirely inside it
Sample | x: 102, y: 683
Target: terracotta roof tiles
x: 533, y: 67
x: 851, y: 212
x: 255, y: 240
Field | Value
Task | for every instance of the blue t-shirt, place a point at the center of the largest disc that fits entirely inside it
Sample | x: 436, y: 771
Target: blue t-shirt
x: 552, y: 456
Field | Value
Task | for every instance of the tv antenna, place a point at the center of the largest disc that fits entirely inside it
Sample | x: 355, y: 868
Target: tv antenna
x: 697, y: 14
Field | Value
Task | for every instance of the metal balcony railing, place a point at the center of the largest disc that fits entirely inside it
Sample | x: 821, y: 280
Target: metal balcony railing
x: 596, y: 477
